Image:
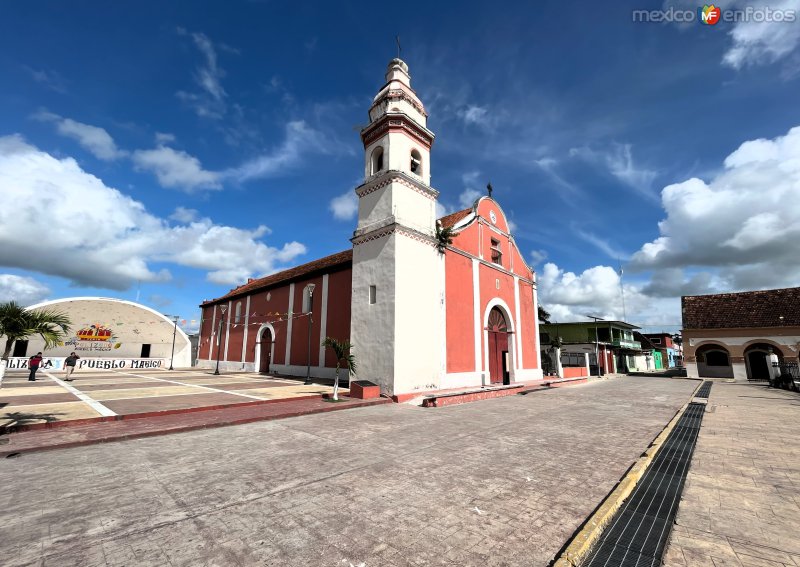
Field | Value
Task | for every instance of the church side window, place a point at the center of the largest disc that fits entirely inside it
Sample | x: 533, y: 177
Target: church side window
x: 238, y: 317
x: 416, y: 162
x: 497, y: 252
x: 373, y: 294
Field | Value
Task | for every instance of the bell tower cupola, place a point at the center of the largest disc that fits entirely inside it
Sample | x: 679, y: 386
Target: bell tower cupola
x: 397, y: 137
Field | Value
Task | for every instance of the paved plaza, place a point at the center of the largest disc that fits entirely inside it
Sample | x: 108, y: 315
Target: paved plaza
x: 98, y: 393
x: 741, y: 503
x: 497, y: 482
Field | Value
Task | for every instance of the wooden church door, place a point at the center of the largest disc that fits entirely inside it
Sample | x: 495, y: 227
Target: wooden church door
x: 498, y: 345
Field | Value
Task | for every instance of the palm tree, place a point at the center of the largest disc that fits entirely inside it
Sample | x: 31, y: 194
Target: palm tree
x: 544, y: 315
x: 17, y: 322
x: 343, y: 355
x: 444, y: 237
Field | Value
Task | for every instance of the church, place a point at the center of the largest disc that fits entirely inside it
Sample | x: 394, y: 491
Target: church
x: 428, y: 304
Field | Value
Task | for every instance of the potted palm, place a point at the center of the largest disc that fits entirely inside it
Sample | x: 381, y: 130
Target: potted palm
x: 341, y: 349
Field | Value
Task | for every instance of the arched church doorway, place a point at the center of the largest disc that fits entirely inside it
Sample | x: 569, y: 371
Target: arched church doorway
x: 757, y: 360
x: 499, y: 359
x: 265, y: 344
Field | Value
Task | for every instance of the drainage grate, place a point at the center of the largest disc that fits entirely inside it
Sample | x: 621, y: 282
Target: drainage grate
x: 639, y: 531
x: 704, y: 390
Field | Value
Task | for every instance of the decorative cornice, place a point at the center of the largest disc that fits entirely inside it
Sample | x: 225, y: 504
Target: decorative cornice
x: 394, y: 229
x: 399, y: 94
x: 394, y: 176
x: 398, y: 122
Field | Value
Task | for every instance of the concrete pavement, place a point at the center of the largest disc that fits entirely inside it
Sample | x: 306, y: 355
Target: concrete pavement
x: 498, y: 482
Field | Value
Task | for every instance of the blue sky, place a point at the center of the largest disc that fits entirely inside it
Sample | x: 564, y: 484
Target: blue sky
x: 171, y: 150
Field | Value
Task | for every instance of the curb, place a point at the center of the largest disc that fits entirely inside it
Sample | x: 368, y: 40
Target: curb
x: 10, y: 450
x: 582, y: 542
x: 11, y: 428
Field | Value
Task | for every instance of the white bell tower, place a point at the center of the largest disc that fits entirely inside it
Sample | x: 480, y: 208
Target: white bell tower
x: 397, y: 311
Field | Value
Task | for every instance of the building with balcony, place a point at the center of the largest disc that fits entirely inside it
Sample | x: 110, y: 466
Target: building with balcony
x: 610, y: 344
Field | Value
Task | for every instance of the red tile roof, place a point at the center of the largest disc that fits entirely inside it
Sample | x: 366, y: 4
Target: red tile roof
x: 452, y: 219
x: 331, y: 261
x: 746, y: 309
x: 326, y: 263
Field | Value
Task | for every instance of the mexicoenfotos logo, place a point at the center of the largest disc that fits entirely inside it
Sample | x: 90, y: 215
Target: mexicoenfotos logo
x: 709, y: 15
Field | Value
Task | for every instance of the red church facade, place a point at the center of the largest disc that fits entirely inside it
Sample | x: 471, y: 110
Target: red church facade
x: 422, y: 314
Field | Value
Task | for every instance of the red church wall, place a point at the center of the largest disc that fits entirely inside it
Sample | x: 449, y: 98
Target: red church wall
x: 299, y: 354
x: 340, y: 286
x: 485, y: 208
x: 236, y: 333
x: 206, y: 329
x: 270, y: 312
x: 460, y: 313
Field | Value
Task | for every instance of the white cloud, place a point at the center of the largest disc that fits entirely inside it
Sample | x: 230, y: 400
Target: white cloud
x: 184, y: 215
x: 210, y: 101
x: 602, y: 244
x: 474, y: 114
x: 93, y: 138
x: 764, y: 42
x: 619, y: 162
x: 442, y: 210
x: 23, y: 290
x: 164, y: 138
x: 538, y: 256
x: 596, y: 291
x: 175, y: 169
x: 94, y: 235
x: 344, y: 206
x: 744, y: 223
x: 467, y: 197
x: 50, y: 79
x: 300, y: 141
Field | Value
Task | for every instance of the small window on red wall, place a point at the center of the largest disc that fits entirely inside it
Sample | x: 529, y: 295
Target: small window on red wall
x: 497, y: 252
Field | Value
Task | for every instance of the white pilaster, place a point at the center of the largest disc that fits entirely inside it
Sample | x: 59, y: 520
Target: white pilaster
x: 476, y: 310
x: 518, y: 325
x: 323, y: 321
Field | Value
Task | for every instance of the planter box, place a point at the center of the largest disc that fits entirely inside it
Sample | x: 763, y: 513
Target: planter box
x: 364, y: 390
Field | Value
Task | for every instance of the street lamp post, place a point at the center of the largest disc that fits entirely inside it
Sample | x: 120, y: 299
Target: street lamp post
x: 310, y: 288
x: 596, y: 342
x: 222, y: 308
x: 174, y: 332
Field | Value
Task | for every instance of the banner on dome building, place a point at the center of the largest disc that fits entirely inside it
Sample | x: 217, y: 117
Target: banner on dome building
x: 57, y: 363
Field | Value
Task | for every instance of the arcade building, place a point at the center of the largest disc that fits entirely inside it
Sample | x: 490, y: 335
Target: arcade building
x: 427, y: 303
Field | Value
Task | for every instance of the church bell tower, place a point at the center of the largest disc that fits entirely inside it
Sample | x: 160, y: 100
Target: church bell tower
x: 397, y: 311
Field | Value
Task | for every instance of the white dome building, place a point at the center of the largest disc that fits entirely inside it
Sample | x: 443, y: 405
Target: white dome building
x: 107, y: 332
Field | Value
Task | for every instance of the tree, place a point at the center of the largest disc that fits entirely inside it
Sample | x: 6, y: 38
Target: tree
x: 343, y: 356
x: 544, y: 315
x: 444, y: 237
x: 17, y: 323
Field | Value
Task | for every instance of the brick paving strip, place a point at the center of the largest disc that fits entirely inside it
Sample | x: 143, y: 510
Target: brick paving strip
x: 741, y: 501
x: 101, y: 432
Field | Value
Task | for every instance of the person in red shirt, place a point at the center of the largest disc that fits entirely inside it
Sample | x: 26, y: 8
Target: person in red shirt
x: 33, y: 365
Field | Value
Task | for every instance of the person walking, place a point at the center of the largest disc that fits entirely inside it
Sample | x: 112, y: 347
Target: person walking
x: 69, y: 366
x: 33, y: 365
